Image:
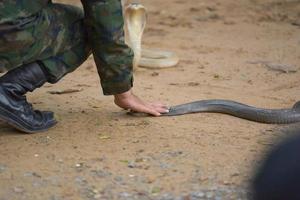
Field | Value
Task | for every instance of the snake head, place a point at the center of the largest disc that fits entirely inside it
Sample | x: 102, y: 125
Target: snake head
x: 135, y: 4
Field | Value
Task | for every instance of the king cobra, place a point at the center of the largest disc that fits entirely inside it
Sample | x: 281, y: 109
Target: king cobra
x: 135, y: 21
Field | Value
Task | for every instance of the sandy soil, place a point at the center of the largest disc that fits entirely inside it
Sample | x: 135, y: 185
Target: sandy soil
x: 97, y: 151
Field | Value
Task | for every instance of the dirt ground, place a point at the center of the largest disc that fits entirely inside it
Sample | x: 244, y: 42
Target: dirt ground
x: 97, y: 151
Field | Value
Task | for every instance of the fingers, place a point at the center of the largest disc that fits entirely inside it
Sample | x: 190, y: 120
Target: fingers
x: 134, y: 103
x: 153, y: 112
x: 146, y: 109
x: 159, y: 107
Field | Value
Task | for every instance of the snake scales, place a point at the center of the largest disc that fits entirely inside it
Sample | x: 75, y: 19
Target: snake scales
x: 135, y: 21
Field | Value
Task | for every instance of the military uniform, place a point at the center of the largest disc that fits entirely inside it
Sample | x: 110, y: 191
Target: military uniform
x: 61, y: 37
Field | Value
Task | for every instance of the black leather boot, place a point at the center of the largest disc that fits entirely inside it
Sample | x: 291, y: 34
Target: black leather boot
x: 14, y: 108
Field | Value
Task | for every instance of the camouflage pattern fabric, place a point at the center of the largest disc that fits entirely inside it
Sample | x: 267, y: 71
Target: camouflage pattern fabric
x: 61, y: 37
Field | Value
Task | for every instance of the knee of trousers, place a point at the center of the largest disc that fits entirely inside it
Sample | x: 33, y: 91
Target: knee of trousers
x: 59, y: 65
x: 60, y: 44
x: 74, y: 48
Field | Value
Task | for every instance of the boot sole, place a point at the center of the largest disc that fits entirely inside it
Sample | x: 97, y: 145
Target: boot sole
x: 14, y: 121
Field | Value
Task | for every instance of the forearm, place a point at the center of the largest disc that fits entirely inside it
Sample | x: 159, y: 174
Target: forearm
x: 104, y: 22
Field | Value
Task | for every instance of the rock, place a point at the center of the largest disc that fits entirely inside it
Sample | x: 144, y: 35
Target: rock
x: 78, y: 165
x: 131, y: 164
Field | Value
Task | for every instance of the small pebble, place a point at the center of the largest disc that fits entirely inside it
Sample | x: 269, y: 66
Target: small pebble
x: 131, y: 164
x: 78, y: 165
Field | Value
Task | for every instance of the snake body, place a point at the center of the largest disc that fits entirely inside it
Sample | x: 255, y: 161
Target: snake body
x: 135, y: 20
x: 269, y: 116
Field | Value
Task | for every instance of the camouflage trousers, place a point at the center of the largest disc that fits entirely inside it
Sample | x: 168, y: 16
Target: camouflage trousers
x: 54, y: 37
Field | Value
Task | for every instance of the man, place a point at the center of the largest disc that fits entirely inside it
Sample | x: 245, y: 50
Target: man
x: 41, y: 42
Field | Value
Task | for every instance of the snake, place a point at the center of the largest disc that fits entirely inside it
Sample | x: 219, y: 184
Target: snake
x: 135, y: 21
x: 268, y: 116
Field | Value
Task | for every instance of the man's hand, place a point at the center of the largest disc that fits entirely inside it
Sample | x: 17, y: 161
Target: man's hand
x: 128, y: 100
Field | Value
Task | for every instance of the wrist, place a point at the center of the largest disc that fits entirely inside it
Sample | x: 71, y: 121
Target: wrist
x: 123, y: 95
